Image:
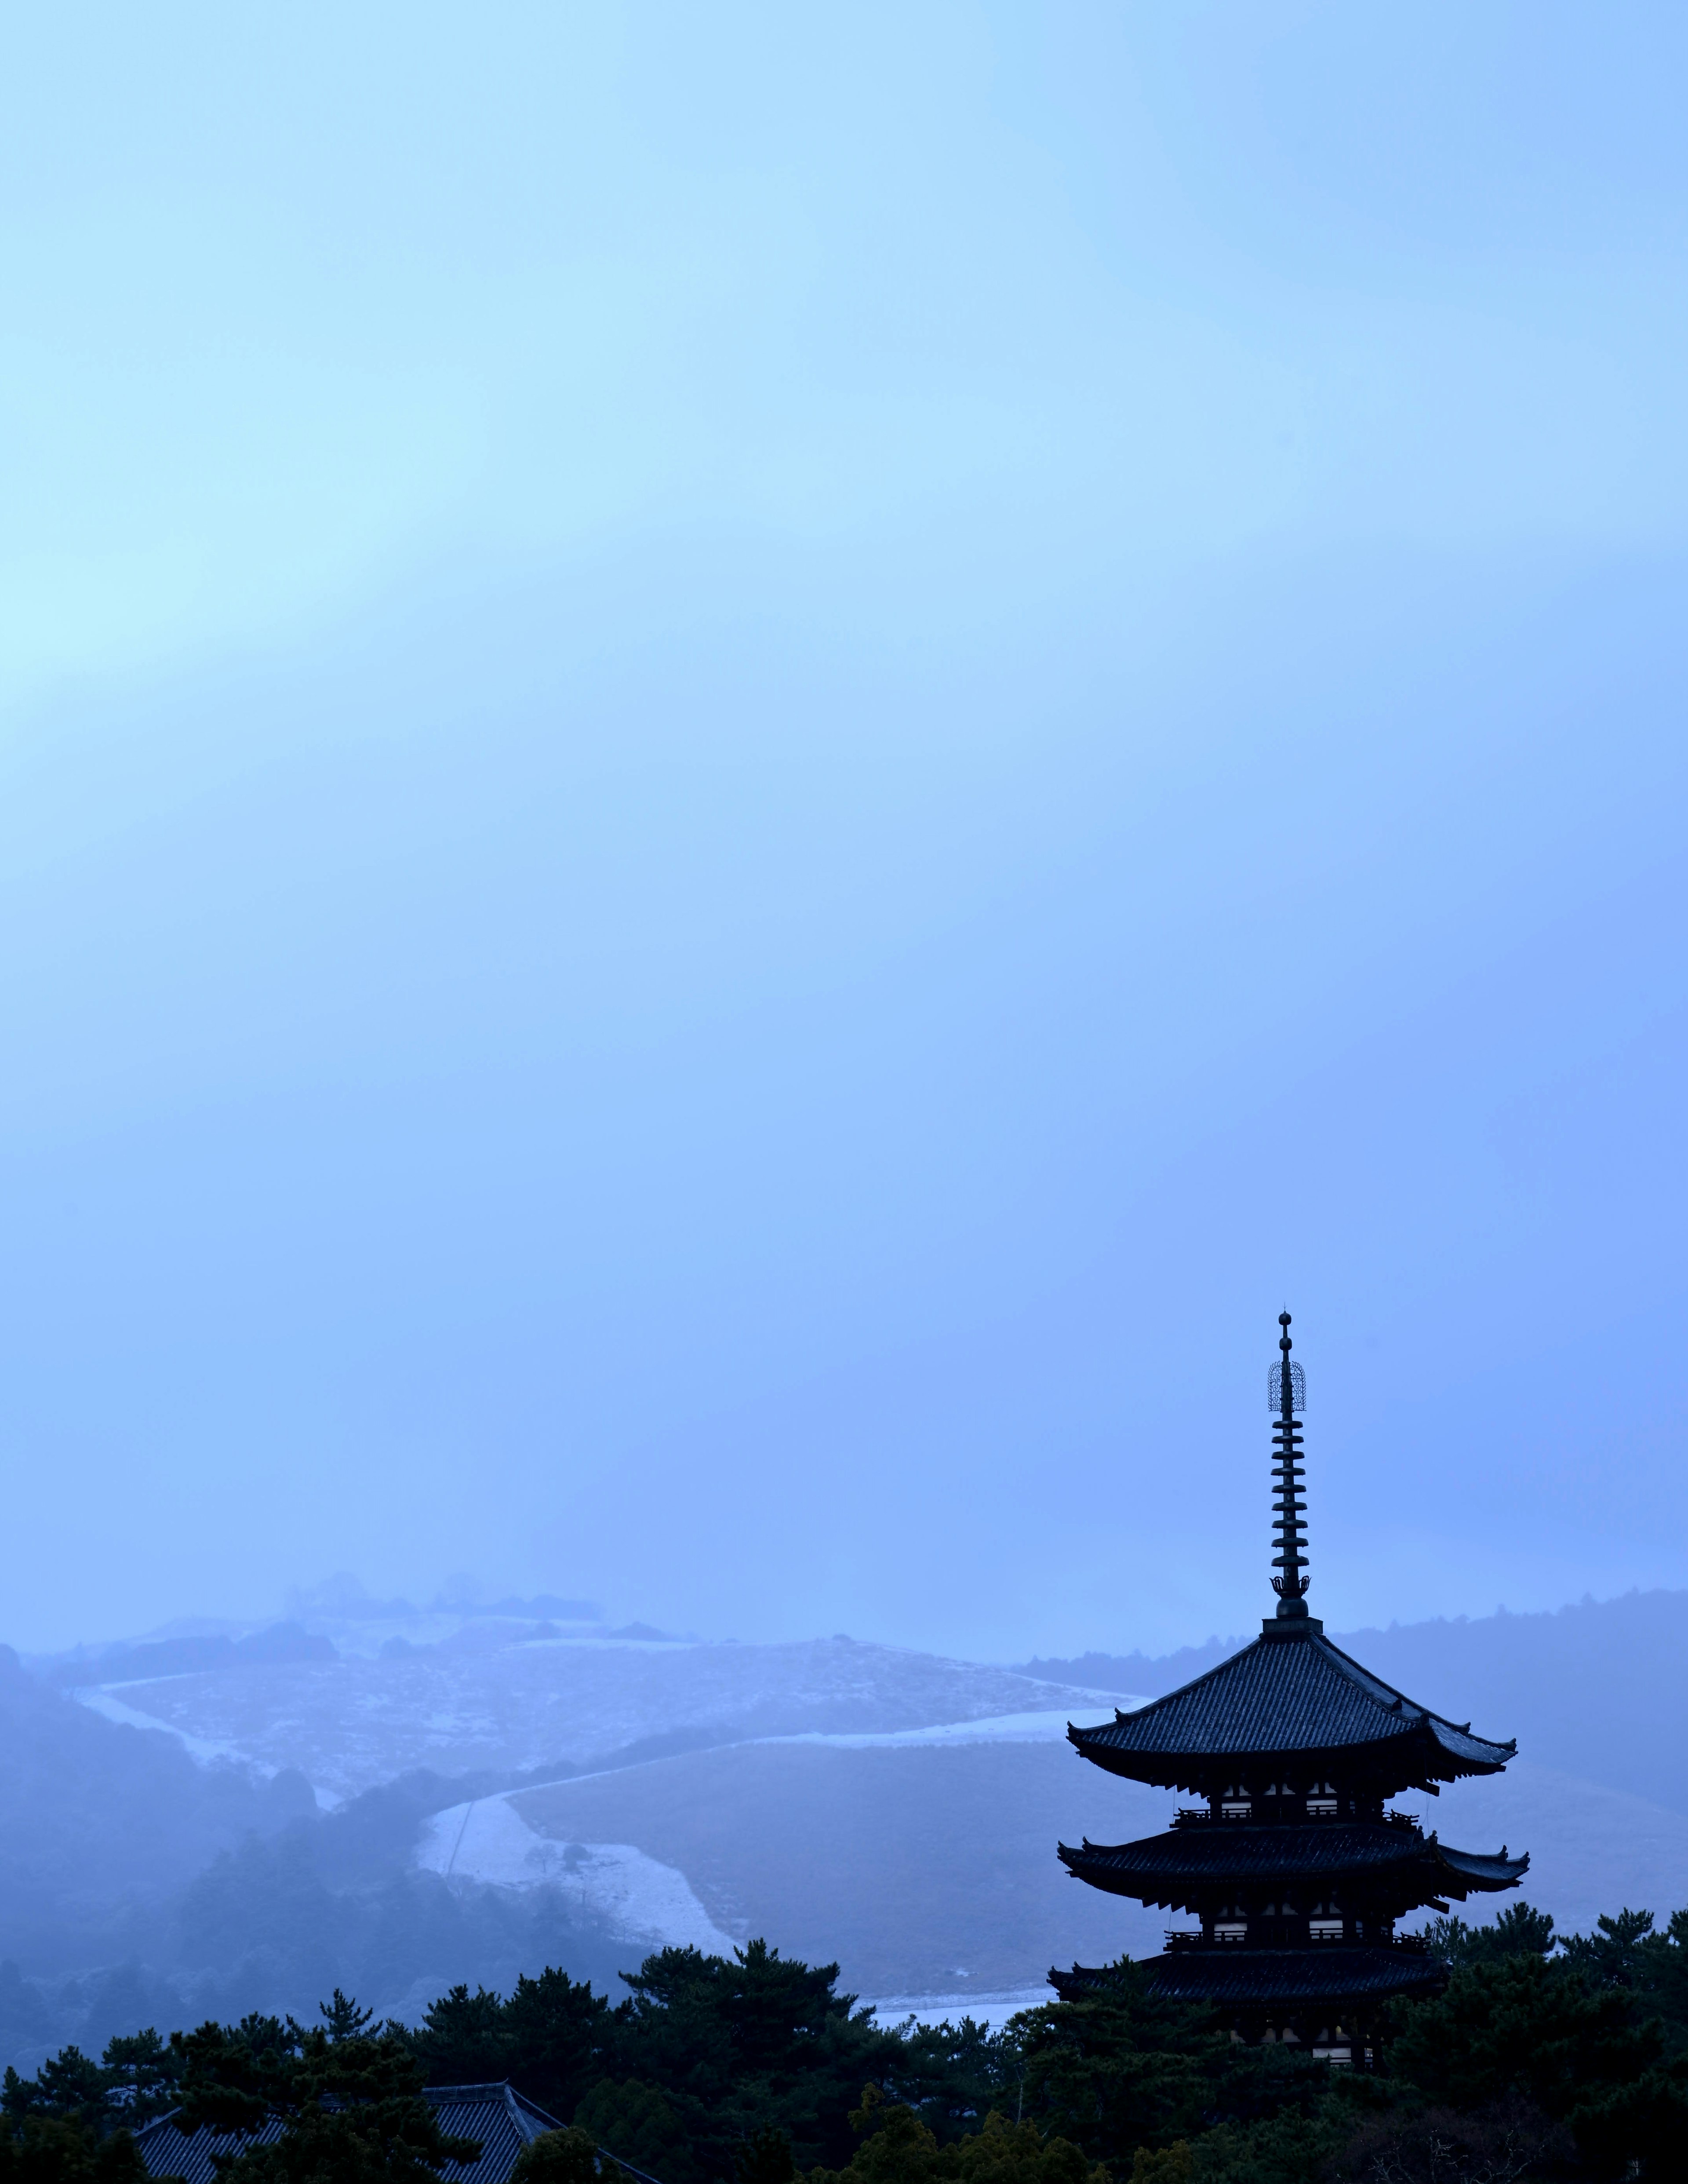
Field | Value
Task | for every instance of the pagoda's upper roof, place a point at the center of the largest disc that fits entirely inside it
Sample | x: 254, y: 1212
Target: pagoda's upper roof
x: 1272, y: 1978
x: 1290, y: 1695
x: 1192, y: 1861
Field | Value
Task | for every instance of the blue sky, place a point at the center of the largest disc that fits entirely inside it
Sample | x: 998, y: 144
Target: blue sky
x: 754, y: 766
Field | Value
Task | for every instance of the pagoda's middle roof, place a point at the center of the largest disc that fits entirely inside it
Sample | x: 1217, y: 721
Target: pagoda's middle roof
x: 1285, y: 1696
x: 1163, y: 1869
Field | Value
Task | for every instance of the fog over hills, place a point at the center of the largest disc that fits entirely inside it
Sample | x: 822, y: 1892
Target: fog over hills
x: 392, y: 1800
x: 503, y: 1697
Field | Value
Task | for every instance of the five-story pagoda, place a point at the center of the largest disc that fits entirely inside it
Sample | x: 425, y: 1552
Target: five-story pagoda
x: 1292, y: 1863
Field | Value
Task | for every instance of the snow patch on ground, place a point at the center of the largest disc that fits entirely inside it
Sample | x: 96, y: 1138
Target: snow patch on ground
x: 488, y: 1842
x: 208, y: 1751
x: 1049, y: 1727
x: 501, y: 1701
x: 993, y: 2010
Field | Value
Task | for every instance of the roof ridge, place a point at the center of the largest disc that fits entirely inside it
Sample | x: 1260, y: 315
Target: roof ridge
x: 1371, y: 1685
x: 1359, y: 1673
x: 1274, y: 1698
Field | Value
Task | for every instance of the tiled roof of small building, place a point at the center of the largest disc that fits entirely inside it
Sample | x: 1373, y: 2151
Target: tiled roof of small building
x: 1290, y: 1695
x: 1165, y: 1869
x: 499, y: 2117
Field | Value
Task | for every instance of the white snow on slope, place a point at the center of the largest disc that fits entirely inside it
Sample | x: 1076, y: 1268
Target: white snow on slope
x: 486, y: 1842
x: 991, y: 2009
x: 1049, y: 1727
x: 208, y: 1751
x: 497, y: 1708
x: 640, y: 1899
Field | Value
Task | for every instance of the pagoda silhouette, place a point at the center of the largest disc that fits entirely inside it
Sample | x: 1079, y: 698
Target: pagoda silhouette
x: 1292, y: 1863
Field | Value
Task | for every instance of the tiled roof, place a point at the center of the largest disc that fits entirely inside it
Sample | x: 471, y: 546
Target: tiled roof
x: 496, y: 2116
x: 1287, y: 1696
x: 1242, y: 1978
x: 1166, y: 1868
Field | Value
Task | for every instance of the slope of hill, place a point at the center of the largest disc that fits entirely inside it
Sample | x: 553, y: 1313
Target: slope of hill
x: 97, y: 1819
x: 921, y: 1867
x: 1597, y: 1696
x: 931, y: 1868
x: 505, y: 1794
x: 1597, y: 1690
x: 502, y: 1702
x: 1592, y: 1848
x: 1149, y: 1674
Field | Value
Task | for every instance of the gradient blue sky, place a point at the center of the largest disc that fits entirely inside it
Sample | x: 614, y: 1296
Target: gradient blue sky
x: 757, y: 763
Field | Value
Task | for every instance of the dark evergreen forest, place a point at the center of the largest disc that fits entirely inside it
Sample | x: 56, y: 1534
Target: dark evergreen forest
x: 1547, y: 2056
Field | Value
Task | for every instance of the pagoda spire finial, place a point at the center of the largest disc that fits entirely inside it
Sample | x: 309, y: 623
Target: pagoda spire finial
x: 1286, y: 1396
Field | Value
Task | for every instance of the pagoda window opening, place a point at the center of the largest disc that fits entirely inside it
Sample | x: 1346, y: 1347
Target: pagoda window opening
x: 1234, y: 1803
x: 1278, y: 1925
x: 1324, y: 1923
x: 1322, y: 1801
x: 1230, y: 1924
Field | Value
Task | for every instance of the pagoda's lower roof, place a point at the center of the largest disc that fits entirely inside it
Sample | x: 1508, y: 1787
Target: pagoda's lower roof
x: 1293, y: 1697
x: 1192, y: 1861
x: 1239, y: 1978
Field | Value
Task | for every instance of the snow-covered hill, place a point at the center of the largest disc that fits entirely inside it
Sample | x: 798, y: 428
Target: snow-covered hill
x: 923, y: 1866
x: 526, y: 1788
x: 495, y: 1699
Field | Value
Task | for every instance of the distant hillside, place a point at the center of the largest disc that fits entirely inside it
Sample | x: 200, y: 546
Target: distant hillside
x: 504, y: 1699
x: 1598, y: 1690
x: 163, y: 1857
x: 183, y: 1656
x: 98, y: 1820
x: 1136, y: 1675
x: 510, y: 1795
x: 939, y: 1865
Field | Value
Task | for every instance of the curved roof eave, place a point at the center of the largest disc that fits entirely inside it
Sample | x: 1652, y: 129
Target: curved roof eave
x: 1333, y: 1847
x: 1295, y: 1978
x: 1415, y: 1755
x: 1301, y: 1697
x: 1149, y: 1871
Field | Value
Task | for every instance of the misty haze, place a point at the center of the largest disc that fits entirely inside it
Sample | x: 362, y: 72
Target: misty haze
x: 758, y: 768
x: 392, y: 1799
